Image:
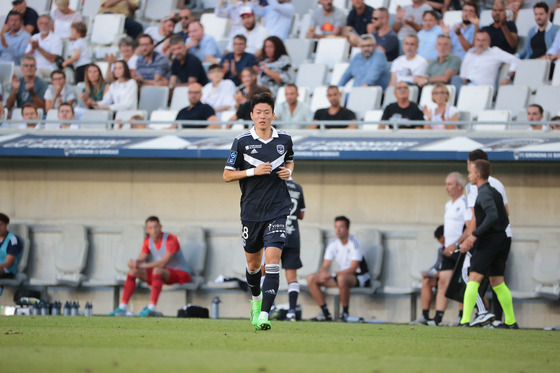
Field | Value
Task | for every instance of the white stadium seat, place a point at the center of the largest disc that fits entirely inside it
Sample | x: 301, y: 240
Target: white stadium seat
x: 107, y: 29
x: 40, y: 6
x: 214, y: 26
x: 532, y: 73
x: 377, y: 3
x: 311, y: 75
x: 153, y: 98
x: 474, y: 98
x: 362, y: 99
x: 157, y: 10
x: 372, y: 117
x: 90, y: 8
x: 492, y: 116
x: 556, y: 20
x: 180, y: 98
x: 525, y: 20
x: 319, y: 99
x: 513, y: 98
x: 299, y: 50
x: 332, y: 50
x: 338, y: 70
x: 393, y: 4
x: 160, y: 116
x: 452, y: 17
x: 99, y: 115
x: 548, y: 97
x: 486, y: 18
x: 546, y: 267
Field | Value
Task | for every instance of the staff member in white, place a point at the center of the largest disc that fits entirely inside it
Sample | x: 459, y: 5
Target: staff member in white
x: 346, y: 249
x: 484, y: 317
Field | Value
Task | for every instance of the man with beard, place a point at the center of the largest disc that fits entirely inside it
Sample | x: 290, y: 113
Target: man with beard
x: 45, y: 46
x: 368, y: 68
x: 327, y: 21
x: 186, y: 68
x: 255, y: 34
x: 541, y: 36
x: 462, y: 33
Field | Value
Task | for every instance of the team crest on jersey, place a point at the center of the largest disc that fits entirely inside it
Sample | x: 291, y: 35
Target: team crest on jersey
x: 280, y: 149
x: 232, y: 157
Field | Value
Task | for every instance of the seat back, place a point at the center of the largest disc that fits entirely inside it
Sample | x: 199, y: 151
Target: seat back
x: 556, y: 76
x: 299, y: 50
x: 225, y: 255
x: 129, y: 247
x: 311, y: 75
x: 338, y: 70
x: 548, y: 97
x: 157, y: 10
x: 372, y: 246
x: 519, y: 267
x: 524, y: 21
x: 396, y: 258
x: 474, y: 98
x: 393, y: 4
x: 532, y: 73
x: 180, y: 98
x: 153, y: 98
x: 107, y: 28
x: 90, y: 8
x: 332, y: 50
x: 373, y: 117
x: 422, y: 254
x: 377, y: 3
x: 71, y: 253
x: 362, y: 99
x: 213, y: 25
x: 546, y: 267
x: 389, y: 97
x: 513, y: 98
x: 162, y: 115
x: 193, y: 246
x: 6, y: 73
x: 40, y: 6
x: 311, y: 252
x: 492, y: 116
x: 319, y: 99
x: 98, y: 115
x: 426, y: 96
x: 452, y: 17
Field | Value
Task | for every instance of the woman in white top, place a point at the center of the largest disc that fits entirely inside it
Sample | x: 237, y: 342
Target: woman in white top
x: 122, y: 93
x: 442, y: 112
x: 63, y: 18
x: 127, y: 45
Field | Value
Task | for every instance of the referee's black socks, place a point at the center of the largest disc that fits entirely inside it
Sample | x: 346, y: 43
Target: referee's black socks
x: 254, y: 281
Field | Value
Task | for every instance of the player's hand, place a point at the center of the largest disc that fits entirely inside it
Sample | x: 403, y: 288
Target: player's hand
x: 131, y: 263
x: 284, y: 173
x: 263, y: 169
x: 468, y: 244
x: 15, y: 82
x: 448, y: 251
x: 324, y: 276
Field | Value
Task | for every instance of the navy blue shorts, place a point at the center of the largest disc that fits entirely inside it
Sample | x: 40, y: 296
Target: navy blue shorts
x: 290, y: 258
x: 259, y: 235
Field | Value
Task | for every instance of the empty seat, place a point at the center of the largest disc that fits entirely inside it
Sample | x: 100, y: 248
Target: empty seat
x: 6, y: 72
x: 372, y: 119
x: 377, y: 3
x: 492, y: 116
x: 452, y: 17
x: 396, y: 258
x: 129, y: 247
x: 474, y: 98
x: 180, y: 98
x: 304, y: 25
x: 224, y: 260
x: 165, y: 116
x: 157, y: 10
x: 311, y: 75
x: 557, y: 16
x: 40, y: 6
x: 299, y: 50
x: 426, y: 96
x: 532, y: 73
x: 332, y: 50
x: 90, y: 8
x: 319, y: 99
x: 311, y: 255
x: 546, y: 267
x: 338, y: 70
x: 556, y: 76
x: 548, y: 97
x: 519, y: 267
x: 193, y: 246
x: 422, y: 257
x: 513, y: 98
x: 362, y: 99
x: 524, y: 21
x: 101, y: 116
x: 389, y: 97
x: 22, y: 232
x: 213, y: 25
x: 107, y: 30
x: 153, y: 98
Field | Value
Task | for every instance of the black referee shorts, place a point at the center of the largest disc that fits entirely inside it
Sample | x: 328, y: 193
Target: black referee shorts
x: 490, y: 255
x: 290, y: 258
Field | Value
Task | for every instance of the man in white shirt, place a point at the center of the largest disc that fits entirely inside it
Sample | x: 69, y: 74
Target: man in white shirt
x: 58, y: 92
x: 255, y: 34
x: 410, y: 65
x: 482, y: 63
x: 66, y: 116
x: 346, y: 249
x: 45, y: 46
x: 219, y: 92
x: 293, y: 110
x: 278, y: 16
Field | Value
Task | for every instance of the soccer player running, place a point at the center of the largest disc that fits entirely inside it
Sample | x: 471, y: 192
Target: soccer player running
x: 490, y: 255
x: 262, y: 160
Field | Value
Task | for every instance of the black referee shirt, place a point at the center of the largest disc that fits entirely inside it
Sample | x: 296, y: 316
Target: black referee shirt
x: 490, y: 212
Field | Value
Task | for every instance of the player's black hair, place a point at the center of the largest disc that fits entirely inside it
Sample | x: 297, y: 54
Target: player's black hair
x: 478, y: 154
x: 483, y: 167
x: 262, y: 98
x: 152, y: 218
x: 438, y: 232
x: 344, y: 219
x: 4, y: 218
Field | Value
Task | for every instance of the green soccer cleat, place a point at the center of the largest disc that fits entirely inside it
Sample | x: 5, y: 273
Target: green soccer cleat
x: 262, y: 324
x: 118, y: 312
x: 146, y: 312
x: 255, y: 310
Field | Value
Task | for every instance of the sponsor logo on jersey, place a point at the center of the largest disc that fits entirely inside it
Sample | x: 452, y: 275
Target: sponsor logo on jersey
x: 256, y: 146
x: 280, y: 149
x: 254, y: 151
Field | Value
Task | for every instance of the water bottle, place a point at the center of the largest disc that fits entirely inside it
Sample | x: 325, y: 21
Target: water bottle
x: 35, y: 311
x: 74, y: 309
x: 56, y: 308
x: 88, y: 309
x: 67, y: 309
x: 44, y: 308
x: 216, y: 307
x: 354, y: 319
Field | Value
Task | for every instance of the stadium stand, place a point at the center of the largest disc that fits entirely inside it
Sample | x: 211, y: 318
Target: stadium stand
x: 548, y: 97
x: 214, y: 26
x: 474, y: 99
x: 161, y: 116
x: 107, y: 30
x: 370, y: 117
x: 337, y: 72
x: 492, y: 116
x: 156, y: 10
x: 513, y: 98
x: 332, y: 50
x: 299, y: 50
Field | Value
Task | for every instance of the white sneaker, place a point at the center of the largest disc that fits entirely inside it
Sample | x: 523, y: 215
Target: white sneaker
x: 483, y: 319
x: 290, y: 316
x: 418, y: 321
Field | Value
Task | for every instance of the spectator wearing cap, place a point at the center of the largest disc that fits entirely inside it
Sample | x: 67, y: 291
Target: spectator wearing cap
x: 30, y: 17
x: 126, y: 8
x: 161, y: 34
x: 234, y: 62
x: 14, y: 40
x: 278, y: 16
x: 254, y: 33
x: 152, y: 68
x: 202, y: 45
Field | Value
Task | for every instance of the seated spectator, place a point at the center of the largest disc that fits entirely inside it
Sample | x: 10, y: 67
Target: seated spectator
x: 368, y: 68
x: 409, y: 18
x: 11, y: 249
x: 197, y: 110
x: 336, y: 112
x: 353, y: 272
x: 58, y: 92
x: 137, y: 126
x: 276, y: 67
x: 161, y: 34
x: 186, y: 17
x: 482, y: 63
x: 254, y: 34
x: 219, y: 92
x: 29, y: 113
x: 293, y: 110
x: 535, y: 113
x: 234, y: 62
x: 201, y: 45
x: 428, y: 35
x: 503, y: 33
x: 126, y: 49
x: 13, y: 39
x: 462, y: 33
x: 161, y: 261
x: 30, y: 16
x: 245, y: 91
x: 541, y: 36
x: 122, y: 93
x: 67, y: 117
x: 555, y: 126
x: 126, y: 8
x: 186, y: 68
x: 81, y: 56
x: 278, y: 16
x: 152, y: 68
x: 387, y: 39
x: 430, y: 278
x: 410, y: 65
x: 553, y: 53
x: 442, y: 112
x: 44, y: 46
x: 403, y: 109
x: 326, y: 21
x: 230, y: 10
x: 95, y: 87
x: 358, y: 21
x: 443, y: 68
x: 29, y: 88
x: 63, y: 17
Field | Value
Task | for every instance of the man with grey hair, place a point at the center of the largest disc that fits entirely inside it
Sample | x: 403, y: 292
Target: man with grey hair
x: 45, y: 46
x: 443, y: 68
x: 368, y: 68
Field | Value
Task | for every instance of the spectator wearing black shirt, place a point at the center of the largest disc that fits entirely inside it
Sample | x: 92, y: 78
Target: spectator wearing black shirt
x: 403, y: 109
x: 234, y: 62
x: 335, y: 112
x: 30, y: 17
x: 186, y: 68
x: 503, y: 33
x: 358, y: 21
x: 387, y: 39
x: 541, y: 36
x: 197, y: 110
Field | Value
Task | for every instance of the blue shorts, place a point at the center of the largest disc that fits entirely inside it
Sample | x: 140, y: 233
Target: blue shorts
x: 259, y: 235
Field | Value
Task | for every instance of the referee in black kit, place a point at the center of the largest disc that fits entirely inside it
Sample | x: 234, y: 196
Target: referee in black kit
x: 262, y: 160
x: 490, y: 254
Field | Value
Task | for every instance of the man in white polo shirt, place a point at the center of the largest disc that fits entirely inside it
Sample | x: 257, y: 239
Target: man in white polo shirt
x: 45, y: 47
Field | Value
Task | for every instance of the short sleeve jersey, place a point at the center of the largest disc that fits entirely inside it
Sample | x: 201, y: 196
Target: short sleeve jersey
x: 263, y: 197
x: 298, y: 205
x: 345, y: 254
x: 456, y: 213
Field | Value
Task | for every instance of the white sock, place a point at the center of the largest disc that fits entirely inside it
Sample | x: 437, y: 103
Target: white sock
x: 123, y: 306
x: 152, y: 307
x: 257, y: 298
x: 263, y: 314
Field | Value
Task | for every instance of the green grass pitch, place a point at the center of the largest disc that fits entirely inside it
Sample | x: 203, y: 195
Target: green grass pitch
x: 103, y: 344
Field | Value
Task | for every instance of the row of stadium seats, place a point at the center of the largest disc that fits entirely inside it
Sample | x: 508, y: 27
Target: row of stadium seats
x: 73, y: 255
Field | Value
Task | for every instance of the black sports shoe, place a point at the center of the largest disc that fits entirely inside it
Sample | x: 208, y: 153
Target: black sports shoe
x: 430, y: 322
x: 322, y: 317
x: 465, y: 325
x: 506, y: 326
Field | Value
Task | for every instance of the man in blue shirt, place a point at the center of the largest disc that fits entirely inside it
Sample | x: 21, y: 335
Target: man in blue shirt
x: 278, y: 16
x: 202, y: 45
x: 10, y: 249
x: 152, y: 68
x: 13, y: 39
x: 369, y: 68
x: 462, y: 34
x: 262, y: 160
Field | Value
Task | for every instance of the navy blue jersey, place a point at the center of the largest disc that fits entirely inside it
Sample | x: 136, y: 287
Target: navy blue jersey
x: 298, y: 205
x: 263, y: 197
